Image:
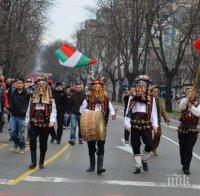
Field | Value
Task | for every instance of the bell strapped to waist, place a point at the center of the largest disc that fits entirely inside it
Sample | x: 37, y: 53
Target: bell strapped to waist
x: 139, y: 121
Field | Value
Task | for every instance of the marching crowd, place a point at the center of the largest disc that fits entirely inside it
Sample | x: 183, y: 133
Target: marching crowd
x: 15, y: 97
x: 37, y: 106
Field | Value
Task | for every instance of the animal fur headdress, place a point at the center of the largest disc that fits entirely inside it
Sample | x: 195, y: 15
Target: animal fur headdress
x: 42, y: 93
x: 142, y: 83
x: 97, y: 90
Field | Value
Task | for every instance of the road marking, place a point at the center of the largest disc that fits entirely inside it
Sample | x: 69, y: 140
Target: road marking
x: 103, y: 182
x: 110, y: 182
x: 128, y: 148
x: 4, y: 181
x: 47, y: 162
x: 174, y: 142
x: 3, y: 146
x: 67, y: 156
x: 125, y: 147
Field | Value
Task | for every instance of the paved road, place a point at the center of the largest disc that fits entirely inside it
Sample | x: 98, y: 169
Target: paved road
x: 65, y: 173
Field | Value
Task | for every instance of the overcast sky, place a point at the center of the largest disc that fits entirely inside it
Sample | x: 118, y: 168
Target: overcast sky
x: 65, y: 16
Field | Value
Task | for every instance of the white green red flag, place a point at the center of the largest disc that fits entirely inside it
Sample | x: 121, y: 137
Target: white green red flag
x: 72, y: 58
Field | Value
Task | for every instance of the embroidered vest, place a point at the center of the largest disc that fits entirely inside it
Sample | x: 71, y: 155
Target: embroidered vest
x: 149, y: 106
x: 40, y: 118
x: 187, y: 117
x: 104, y: 106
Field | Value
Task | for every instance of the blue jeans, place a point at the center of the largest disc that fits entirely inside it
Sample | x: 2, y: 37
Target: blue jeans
x: 75, y: 120
x: 66, y: 119
x: 17, y: 125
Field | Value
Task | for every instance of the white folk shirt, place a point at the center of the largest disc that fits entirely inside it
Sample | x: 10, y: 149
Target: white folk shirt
x: 41, y: 107
x: 141, y: 107
x: 98, y: 108
x: 193, y: 110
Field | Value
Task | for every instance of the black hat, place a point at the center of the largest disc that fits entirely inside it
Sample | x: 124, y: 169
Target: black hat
x: 58, y: 84
x: 21, y: 79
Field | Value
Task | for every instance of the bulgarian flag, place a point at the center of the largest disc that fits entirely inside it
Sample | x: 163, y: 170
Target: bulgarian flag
x: 70, y: 57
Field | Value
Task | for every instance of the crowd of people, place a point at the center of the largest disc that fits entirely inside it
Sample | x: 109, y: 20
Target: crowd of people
x: 15, y: 98
x: 40, y: 106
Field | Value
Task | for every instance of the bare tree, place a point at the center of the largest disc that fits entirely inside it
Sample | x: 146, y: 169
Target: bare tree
x: 173, y: 26
x: 22, y: 23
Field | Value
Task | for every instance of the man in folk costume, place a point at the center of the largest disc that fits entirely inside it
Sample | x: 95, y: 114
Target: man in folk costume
x: 97, y: 101
x: 41, y: 117
x: 188, y: 130
x: 161, y: 113
x: 141, y: 118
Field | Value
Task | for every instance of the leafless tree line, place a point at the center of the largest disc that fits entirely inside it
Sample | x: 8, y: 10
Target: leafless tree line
x: 21, y: 26
x: 130, y: 36
x: 141, y: 37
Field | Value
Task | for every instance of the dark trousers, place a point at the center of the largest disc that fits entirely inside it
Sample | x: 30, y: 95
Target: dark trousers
x: 186, y: 144
x: 43, y: 134
x: 137, y: 135
x: 126, y: 134
x: 92, y: 147
x: 60, y: 123
x: 52, y: 132
x: 2, y: 121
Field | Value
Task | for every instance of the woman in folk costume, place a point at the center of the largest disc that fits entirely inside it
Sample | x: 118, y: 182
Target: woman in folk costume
x: 97, y: 101
x: 141, y: 118
x: 41, y: 117
x: 188, y: 130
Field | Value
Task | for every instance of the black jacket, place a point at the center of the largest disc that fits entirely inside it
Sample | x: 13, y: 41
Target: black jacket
x: 68, y: 102
x: 126, y: 98
x: 76, y: 102
x: 60, y: 100
x: 19, y: 103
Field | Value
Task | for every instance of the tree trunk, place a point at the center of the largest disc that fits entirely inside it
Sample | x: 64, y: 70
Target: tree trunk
x: 114, y: 90
x: 168, y: 92
x: 130, y: 77
x: 120, y: 91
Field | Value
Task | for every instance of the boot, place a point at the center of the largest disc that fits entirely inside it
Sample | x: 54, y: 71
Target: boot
x: 100, y: 168
x: 186, y: 170
x: 138, y: 163
x: 145, y: 158
x: 137, y: 171
x: 33, y: 160
x: 52, y: 140
x: 42, y: 156
x: 145, y: 166
x: 92, y: 163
